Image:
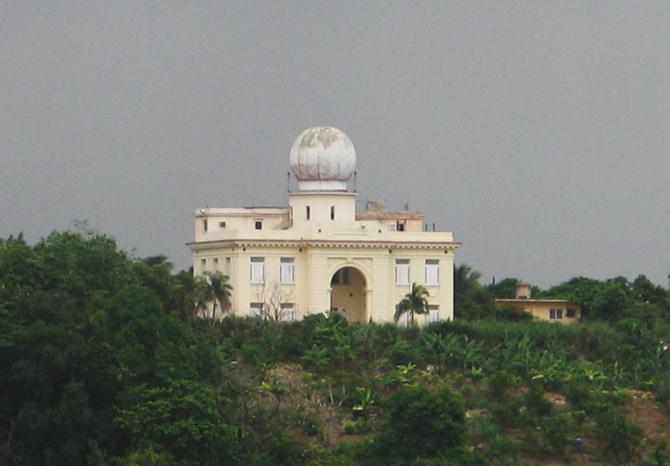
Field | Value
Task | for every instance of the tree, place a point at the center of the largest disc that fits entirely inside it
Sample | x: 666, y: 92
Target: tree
x: 219, y: 291
x: 471, y: 299
x: 414, y: 302
x: 421, y: 423
x: 272, y: 296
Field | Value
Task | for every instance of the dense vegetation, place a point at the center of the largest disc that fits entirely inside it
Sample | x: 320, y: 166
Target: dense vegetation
x: 107, y: 359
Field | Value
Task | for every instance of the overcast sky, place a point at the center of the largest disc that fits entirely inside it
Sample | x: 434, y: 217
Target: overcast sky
x: 538, y: 132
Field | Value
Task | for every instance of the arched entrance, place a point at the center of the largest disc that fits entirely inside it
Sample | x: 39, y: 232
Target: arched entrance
x: 347, y: 293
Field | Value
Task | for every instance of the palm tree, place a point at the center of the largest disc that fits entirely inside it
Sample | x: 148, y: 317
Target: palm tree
x: 220, y: 288
x: 465, y: 279
x: 414, y: 302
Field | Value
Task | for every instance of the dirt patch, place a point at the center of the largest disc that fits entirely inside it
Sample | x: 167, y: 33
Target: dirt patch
x: 310, y: 403
x: 654, y: 420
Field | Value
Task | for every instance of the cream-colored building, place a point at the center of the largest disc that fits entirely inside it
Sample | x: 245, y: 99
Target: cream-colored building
x: 554, y: 310
x: 317, y: 253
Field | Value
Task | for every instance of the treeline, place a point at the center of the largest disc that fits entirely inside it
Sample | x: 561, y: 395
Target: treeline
x: 603, y: 300
x: 107, y: 359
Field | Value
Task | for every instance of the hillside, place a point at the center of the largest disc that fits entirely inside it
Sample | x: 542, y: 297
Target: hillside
x: 105, y: 359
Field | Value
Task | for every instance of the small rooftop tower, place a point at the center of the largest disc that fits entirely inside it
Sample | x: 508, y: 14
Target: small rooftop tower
x: 322, y: 159
x: 522, y: 290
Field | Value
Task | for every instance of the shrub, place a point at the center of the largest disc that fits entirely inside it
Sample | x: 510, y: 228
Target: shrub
x: 421, y: 423
x: 622, y: 438
x: 660, y: 456
x: 556, y: 430
x: 536, y: 403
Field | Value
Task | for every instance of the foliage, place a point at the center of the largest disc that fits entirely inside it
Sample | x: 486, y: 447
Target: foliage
x: 414, y: 302
x: 115, y: 360
x: 421, y: 423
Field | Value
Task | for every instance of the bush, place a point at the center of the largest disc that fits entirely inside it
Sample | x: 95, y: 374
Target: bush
x: 536, y: 403
x: 556, y: 430
x: 421, y: 423
x: 622, y: 438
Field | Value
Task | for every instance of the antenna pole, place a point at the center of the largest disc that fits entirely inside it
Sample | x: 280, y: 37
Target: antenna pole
x: 355, y: 173
x: 288, y: 182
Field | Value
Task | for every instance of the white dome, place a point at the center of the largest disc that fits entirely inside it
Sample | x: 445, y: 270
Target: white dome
x: 323, y: 158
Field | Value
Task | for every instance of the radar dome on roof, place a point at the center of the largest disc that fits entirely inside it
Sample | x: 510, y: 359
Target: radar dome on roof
x: 323, y: 158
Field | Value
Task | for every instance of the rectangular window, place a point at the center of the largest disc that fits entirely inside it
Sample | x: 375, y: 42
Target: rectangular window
x: 258, y: 224
x: 204, y: 225
x: 286, y: 270
x: 332, y: 212
x: 307, y: 212
x: 433, y: 313
x: 571, y: 313
x: 256, y: 309
x: 203, y: 264
x: 286, y: 312
x: 216, y: 264
x: 257, y: 270
x: 400, y: 226
x: 404, y: 318
x: 555, y: 314
x: 402, y: 271
x: 222, y: 224
x: 432, y: 272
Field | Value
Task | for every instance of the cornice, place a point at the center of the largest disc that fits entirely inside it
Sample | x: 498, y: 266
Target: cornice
x: 324, y: 244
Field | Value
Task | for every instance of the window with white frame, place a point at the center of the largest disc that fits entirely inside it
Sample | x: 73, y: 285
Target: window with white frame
x: 402, y: 271
x: 286, y: 312
x: 432, y: 271
x: 256, y: 309
x: 286, y: 270
x: 257, y: 270
x: 403, y: 321
x: 258, y: 224
x: 555, y: 314
x: 433, y: 313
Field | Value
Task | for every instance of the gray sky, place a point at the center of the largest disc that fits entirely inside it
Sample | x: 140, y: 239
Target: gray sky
x: 537, y: 132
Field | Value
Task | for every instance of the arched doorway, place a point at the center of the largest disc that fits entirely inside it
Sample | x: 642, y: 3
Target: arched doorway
x: 347, y: 293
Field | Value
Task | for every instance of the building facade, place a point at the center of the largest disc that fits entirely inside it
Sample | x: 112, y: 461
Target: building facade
x: 317, y: 253
x: 553, y: 310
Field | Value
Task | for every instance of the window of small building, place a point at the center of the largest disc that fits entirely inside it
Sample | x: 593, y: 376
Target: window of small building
x: 332, y: 212
x: 286, y: 270
x: 555, y: 314
x: 433, y: 313
x: 432, y: 271
x: 402, y: 271
x: 216, y: 264
x: 404, y: 320
x: 286, y: 312
x: 203, y: 264
x: 257, y: 270
x: 307, y: 213
x: 400, y: 225
x: 258, y: 224
x: 204, y: 225
x: 256, y: 309
x: 571, y: 313
x: 222, y: 224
